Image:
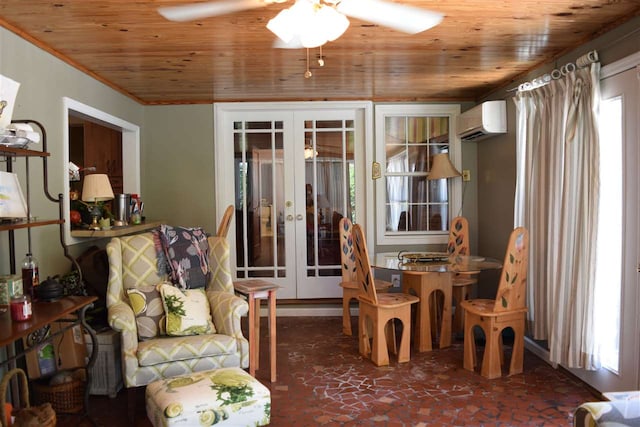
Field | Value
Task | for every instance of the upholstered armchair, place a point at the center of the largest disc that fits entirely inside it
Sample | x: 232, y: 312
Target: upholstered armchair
x: 132, y: 264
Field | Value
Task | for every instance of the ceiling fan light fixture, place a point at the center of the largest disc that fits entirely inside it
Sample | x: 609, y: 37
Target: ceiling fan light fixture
x: 283, y: 25
x: 310, y: 22
x: 332, y: 24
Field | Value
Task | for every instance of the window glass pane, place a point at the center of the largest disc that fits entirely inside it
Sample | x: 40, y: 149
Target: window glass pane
x: 417, y: 129
x: 413, y: 203
x: 395, y: 130
x: 397, y: 189
x: 397, y: 217
x: 396, y: 158
x: 417, y: 158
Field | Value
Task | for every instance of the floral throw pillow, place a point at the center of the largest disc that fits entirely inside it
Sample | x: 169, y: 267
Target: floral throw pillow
x: 187, y: 253
x: 187, y: 311
x: 147, y: 306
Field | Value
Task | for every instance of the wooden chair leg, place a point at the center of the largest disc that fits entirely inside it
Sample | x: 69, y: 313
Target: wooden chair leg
x: 346, y: 314
x: 404, y: 352
x: 390, y: 335
x: 363, y: 334
x: 469, y: 345
x: 379, y: 353
x: 517, y: 354
x: 491, y: 367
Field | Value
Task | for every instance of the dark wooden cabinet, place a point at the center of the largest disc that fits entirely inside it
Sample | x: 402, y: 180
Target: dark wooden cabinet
x: 94, y: 145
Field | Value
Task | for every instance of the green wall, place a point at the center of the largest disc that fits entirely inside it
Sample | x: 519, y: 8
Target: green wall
x: 45, y: 80
x: 177, y: 165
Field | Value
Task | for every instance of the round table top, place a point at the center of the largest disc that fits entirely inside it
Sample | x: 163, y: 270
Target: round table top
x: 433, y: 262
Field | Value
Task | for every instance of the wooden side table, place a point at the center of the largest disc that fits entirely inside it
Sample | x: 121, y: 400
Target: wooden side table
x: 255, y: 290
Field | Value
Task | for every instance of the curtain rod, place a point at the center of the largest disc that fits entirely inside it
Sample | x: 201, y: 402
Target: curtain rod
x: 583, y: 61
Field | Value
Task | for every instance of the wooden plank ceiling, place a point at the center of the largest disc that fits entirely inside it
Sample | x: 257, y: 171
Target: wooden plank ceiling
x: 479, y: 46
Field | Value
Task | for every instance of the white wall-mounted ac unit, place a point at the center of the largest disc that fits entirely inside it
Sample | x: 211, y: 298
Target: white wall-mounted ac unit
x: 483, y: 120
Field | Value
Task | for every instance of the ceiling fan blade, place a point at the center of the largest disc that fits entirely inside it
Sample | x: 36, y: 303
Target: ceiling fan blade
x: 208, y: 9
x: 407, y: 19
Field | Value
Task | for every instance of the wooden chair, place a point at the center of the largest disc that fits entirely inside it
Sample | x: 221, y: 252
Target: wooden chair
x: 506, y: 311
x: 463, y: 281
x: 225, y: 222
x: 349, y: 283
x: 379, y: 310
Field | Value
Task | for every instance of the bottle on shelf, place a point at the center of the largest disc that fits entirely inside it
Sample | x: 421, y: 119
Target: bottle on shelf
x: 30, y: 276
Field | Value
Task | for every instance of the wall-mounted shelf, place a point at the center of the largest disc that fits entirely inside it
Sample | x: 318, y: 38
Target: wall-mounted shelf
x: 28, y: 224
x: 7, y: 151
x: 117, y: 231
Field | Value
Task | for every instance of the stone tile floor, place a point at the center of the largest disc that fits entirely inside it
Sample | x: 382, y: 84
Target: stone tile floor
x: 323, y: 381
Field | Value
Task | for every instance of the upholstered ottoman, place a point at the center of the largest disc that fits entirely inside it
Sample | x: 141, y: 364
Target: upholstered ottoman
x: 225, y: 397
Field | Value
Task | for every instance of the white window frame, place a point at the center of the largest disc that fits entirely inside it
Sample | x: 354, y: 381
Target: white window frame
x: 455, y: 153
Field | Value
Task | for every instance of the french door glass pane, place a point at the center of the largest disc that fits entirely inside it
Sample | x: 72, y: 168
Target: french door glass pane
x: 259, y: 176
x: 330, y: 191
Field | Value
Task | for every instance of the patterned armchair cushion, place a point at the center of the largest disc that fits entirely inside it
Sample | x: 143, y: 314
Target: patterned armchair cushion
x: 146, y: 302
x: 187, y: 311
x: 166, y: 349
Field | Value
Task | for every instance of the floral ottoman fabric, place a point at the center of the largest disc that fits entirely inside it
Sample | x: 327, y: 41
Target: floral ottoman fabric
x: 221, y: 397
x: 617, y: 413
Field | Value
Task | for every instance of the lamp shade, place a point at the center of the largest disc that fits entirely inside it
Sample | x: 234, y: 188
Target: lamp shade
x: 442, y: 167
x: 96, y: 188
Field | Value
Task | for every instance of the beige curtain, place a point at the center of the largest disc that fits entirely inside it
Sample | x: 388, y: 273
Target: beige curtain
x: 557, y: 201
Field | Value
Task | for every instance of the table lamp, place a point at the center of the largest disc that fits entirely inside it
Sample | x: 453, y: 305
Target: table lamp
x: 441, y: 167
x: 96, y: 188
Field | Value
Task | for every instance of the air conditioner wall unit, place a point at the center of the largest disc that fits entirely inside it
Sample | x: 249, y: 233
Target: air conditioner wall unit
x: 483, y: 120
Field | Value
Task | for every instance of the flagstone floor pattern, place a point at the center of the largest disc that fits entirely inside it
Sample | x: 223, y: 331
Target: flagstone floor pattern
x: 323, y: 381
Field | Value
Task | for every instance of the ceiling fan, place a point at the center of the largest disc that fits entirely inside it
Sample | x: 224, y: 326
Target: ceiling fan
x: 311, y: 23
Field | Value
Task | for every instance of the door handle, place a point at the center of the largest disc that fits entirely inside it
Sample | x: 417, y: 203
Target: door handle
x: 299, y: 217
x: 289, y: 217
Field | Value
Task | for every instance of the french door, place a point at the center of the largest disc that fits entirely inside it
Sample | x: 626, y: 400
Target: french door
x: 291, y: 175
x: 618, y: 266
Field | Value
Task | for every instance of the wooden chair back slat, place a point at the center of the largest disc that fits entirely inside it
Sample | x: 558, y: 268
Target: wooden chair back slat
x: 513, y: 279
x: 458, y: 237
x: 363, y: 267
x: 347, y: 255
x: 225, y: 222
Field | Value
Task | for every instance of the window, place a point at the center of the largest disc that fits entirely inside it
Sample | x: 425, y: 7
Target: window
x: 411, y: 208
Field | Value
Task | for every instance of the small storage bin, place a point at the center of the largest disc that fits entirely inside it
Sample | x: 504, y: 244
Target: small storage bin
x: 65, y: 398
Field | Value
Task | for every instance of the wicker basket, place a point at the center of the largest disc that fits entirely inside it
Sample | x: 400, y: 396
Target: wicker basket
x: 41, y: 416
x: 66, y: 398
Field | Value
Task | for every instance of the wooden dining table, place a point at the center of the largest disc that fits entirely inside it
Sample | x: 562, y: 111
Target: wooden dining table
x: 424, y: 272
